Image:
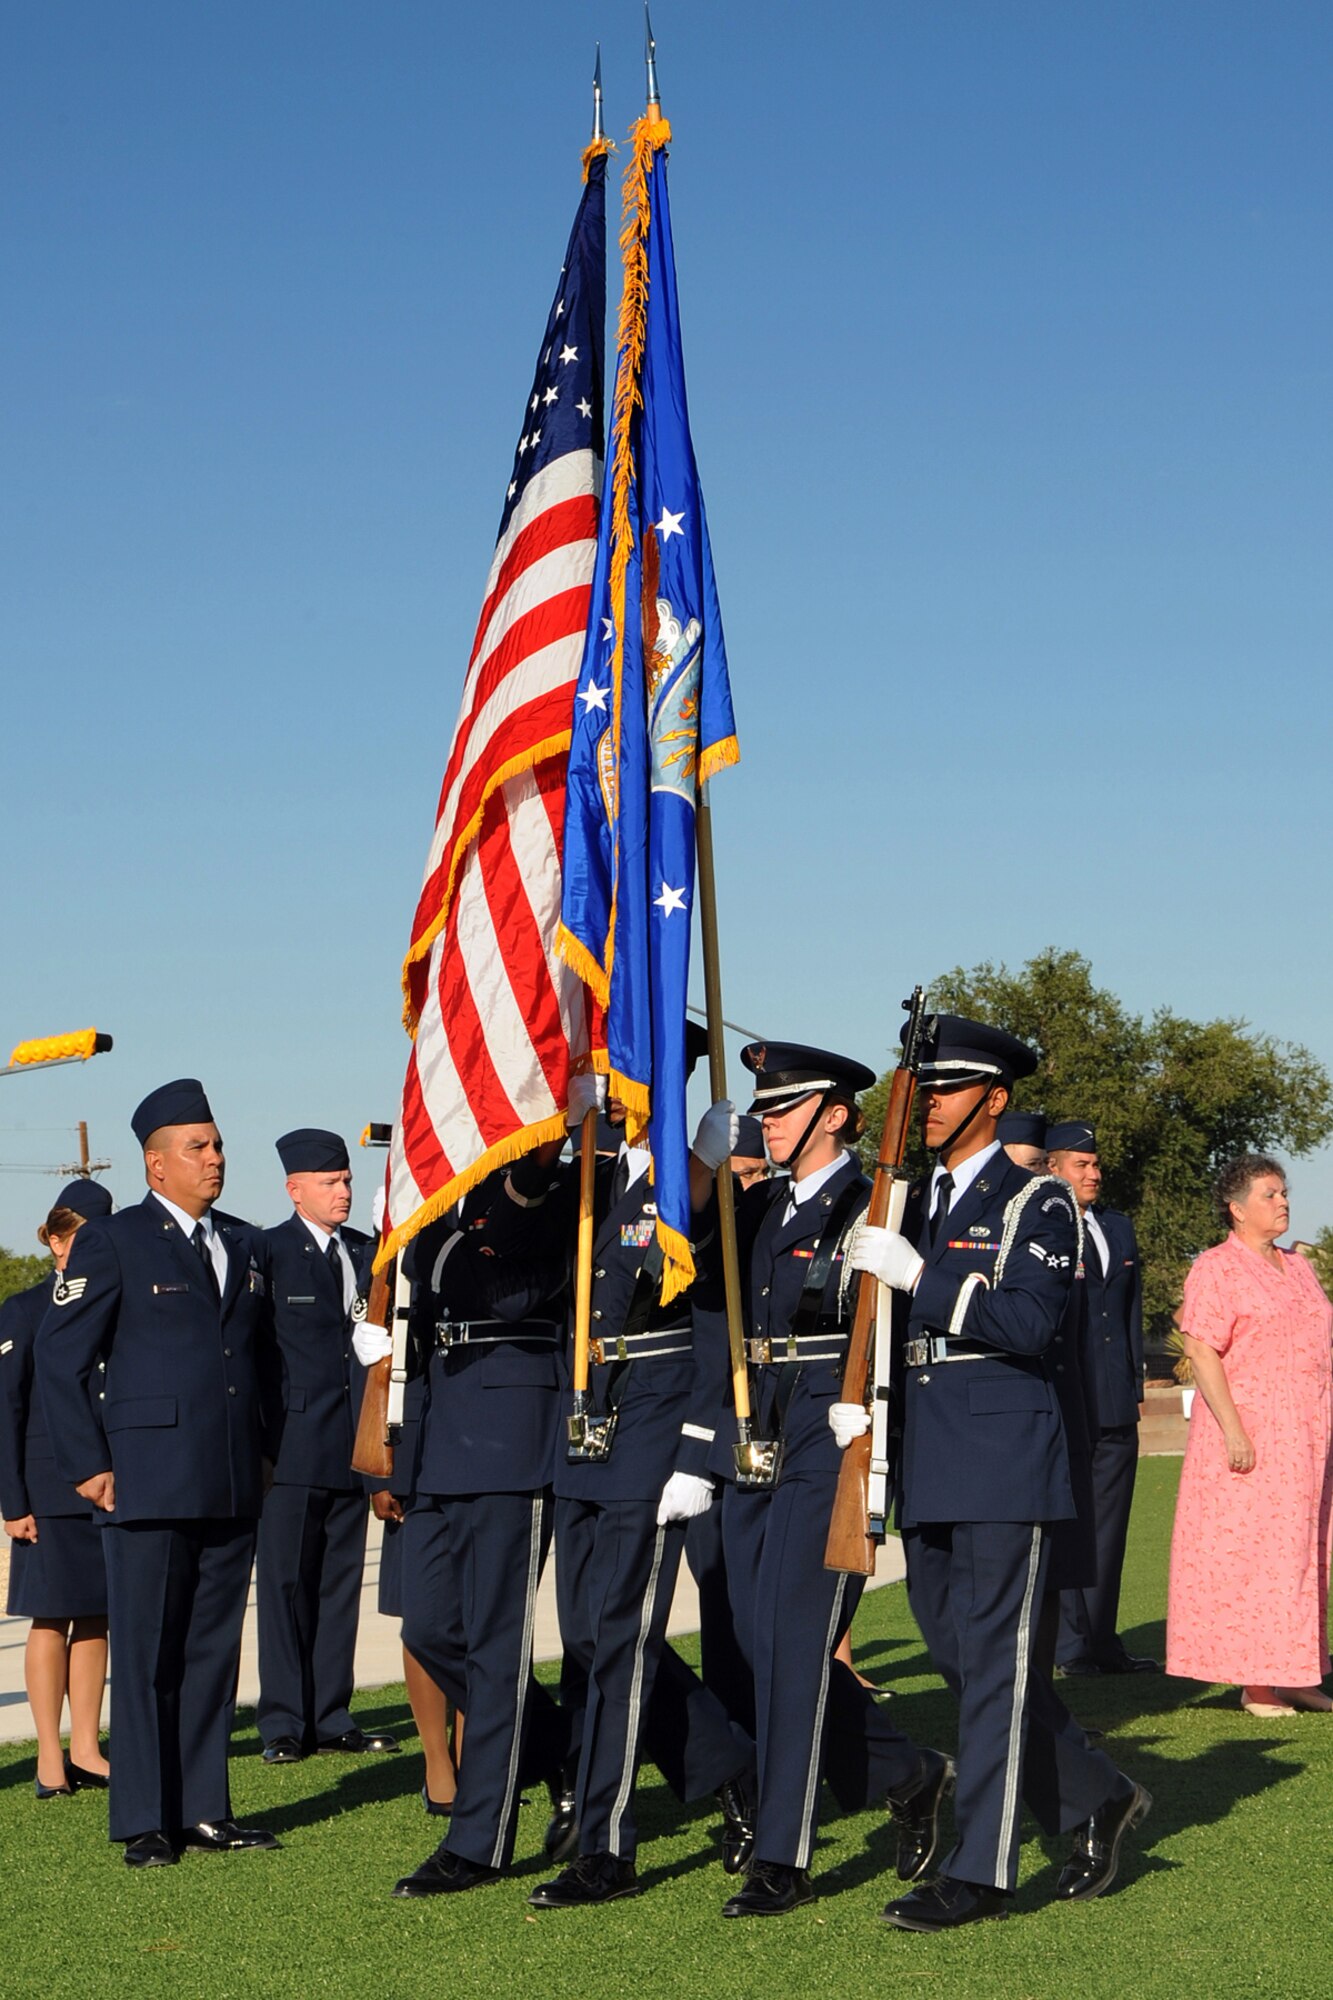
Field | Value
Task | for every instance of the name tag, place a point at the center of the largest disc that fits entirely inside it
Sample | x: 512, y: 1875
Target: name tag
x: 305, y: 1299
x: 638, y: 1235
x: 165, y: 1291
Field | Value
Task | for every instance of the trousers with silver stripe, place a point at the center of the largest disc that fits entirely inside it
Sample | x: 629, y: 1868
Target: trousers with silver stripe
x: 615, y: 1577
x: 976, y: 1590
x: 471, y: 1566
x: 813, y: 1718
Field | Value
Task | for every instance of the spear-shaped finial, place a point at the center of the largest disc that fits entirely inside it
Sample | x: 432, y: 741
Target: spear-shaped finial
x: 650, y: 58
x: 598, y: 132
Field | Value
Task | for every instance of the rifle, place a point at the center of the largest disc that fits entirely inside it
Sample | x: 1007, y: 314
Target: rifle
x: 856, y: 1525
x: 380, y: 1419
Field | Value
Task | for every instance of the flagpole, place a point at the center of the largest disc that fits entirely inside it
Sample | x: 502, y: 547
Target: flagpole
x: 756, y: 1459
x: 589, y: 1436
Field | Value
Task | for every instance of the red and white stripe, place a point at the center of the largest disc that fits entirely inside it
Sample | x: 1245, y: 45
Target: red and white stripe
x: 497, y: 1017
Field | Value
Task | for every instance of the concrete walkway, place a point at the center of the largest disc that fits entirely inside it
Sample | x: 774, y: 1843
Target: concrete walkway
x: 379, y: 1653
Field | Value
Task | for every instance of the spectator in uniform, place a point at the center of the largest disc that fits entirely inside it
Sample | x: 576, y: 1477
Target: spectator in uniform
x: 172, y: 1294
x: 986, y: 1260
x: 312, y: 1535
x: 57, y: 1576
x: 1112, y: 1275
x: 1023, y: 1136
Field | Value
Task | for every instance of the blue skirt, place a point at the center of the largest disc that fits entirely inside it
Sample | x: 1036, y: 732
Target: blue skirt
x: 60, y: 1575
x: 391, y: 1571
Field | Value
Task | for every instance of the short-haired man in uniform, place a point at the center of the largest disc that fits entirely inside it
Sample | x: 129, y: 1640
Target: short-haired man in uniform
x: 172, y: 1295
x: 312, y: 1536
x: 1089, y: 1642
x: 984, y: 1469
x: 1023, y: 1136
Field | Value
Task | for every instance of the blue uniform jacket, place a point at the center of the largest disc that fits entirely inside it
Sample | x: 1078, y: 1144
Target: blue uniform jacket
x: 492, y: 1400
x: 778, y: 1263
x: 983, y: 1440
x: 1115, y: 1322
x: 322, y: 1380
x: 29, y: 1482
x: 190, y: 1398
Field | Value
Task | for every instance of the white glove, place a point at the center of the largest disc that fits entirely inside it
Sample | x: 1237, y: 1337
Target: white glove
x: 587, y: 1092
x: 847, y: 1421
x: 719, y: 1129
x: 683, y: 1497
x: 887, y: 1256
x: 377, y: 1208
x: 370, y: 1344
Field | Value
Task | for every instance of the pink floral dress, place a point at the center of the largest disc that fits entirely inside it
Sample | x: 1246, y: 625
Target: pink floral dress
x: 1248, y: 1595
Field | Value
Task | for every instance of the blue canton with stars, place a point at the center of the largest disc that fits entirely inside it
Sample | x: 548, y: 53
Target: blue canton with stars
x: 564, y: 409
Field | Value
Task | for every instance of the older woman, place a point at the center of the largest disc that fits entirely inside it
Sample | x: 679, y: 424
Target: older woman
x: 1248, y: 1600
x: 57, y: 1576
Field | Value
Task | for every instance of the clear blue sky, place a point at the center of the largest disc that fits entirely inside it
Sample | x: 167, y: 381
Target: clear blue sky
x: 1007, y: 330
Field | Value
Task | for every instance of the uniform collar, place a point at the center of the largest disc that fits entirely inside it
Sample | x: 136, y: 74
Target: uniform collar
x: 963, y: 1175
x: 186, y: 1223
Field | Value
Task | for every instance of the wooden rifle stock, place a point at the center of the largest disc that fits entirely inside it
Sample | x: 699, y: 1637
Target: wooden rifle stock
x: 372, y: 1453
x: 849, y: 1547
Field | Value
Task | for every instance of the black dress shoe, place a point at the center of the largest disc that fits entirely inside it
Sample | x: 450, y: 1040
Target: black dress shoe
x: 223, y: 1836
x: 1095, y: 1856
x: 283, y: 1750
x: 84, y: 1781
x: 561, y: 1839
x: 1130, y: 1663
x: 771, y: 1889
x: 737, y: 1826
x: 916, y: 1814
x: 589, y: 1878
x: 41, y: 1791
x: 151, y: 1850
x: 434, y: 1807
x: 1076, y: 1670
x: 353, y: 1741
x: 944, y: 1905
x: 444, y: 1874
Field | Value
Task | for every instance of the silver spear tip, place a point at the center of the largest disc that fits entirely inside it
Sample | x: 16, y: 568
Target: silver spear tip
x: 650, y: 56
x: 598, y: 131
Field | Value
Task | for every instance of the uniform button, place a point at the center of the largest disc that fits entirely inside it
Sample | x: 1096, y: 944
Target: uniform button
x: 231, y: 1388
x: 1059, y: 1367
x: 1059, y: 1340
x: 227, y: 1353
x: 596, y: 1314
x: 101, y: 1395
x: 764, y: 1292
x: 922, y: 1381
x: 599, y: 1274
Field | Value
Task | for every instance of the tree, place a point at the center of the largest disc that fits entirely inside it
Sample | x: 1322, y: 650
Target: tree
x: 1171, y: 1099
x: 1321, y: 1256
x: 17, y: 1273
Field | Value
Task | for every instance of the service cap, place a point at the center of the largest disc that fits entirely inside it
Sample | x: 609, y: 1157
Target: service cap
x: 180, y: 1103
x: 962, y: 1052
x: 308, y: 1150
x: 86, y: 1198
x: 785, y: 1072
x: 1022, y: 1128
x: 1075, y: 1135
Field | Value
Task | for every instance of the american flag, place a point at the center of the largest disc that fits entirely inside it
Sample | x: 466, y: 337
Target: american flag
x: 496, y: 1017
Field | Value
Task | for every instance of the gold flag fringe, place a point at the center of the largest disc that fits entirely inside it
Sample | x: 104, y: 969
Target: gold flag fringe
x: 503, y: 1154
x: 596, y: 150
x: 717, y: 757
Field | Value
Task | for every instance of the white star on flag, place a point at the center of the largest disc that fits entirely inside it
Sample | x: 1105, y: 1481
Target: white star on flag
x: 569, y: 354
x: 669, y: 524
x: 594, y: 697
x: 584, y: 407
x: 551, y: 396
x: 669, y: 900
x: 608, y: 630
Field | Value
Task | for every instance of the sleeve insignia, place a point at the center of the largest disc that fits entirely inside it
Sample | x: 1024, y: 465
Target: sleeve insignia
x: 358, y: 1307
x: 67, y: 1290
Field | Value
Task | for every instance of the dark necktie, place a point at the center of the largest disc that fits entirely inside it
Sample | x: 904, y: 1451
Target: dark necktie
x: 335, y: 1265
x: 943, y: 1196
x: 620, y: 1180
x: 199, y: 1238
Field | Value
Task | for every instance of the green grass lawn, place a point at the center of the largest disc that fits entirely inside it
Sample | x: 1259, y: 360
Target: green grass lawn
x: 1226, y: 1891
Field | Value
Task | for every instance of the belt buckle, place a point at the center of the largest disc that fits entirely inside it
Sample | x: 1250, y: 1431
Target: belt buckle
x: 595, y: 1354
x: 761, y: 1350
x: 916, y: 1353
x: 445, y: 1334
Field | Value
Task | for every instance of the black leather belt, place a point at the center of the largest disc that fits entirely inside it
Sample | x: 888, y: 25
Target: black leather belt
x: 481, y: 1332
x: 936, y: 1348
x: 795, y: 1348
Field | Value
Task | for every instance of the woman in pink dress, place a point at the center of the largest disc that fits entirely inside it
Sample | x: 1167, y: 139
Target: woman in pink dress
x: 1248, y: 1598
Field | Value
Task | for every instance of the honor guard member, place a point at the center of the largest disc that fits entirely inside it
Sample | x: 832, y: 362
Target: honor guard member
x: 984, y: 1471
x: 1023, y: 1136
x: 791, y: 1612
x: 476, y: 1536
x: 1113, y: 1356
x: 312, y: 1535
x: 172, y: 1295
x: 620, y: 1517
